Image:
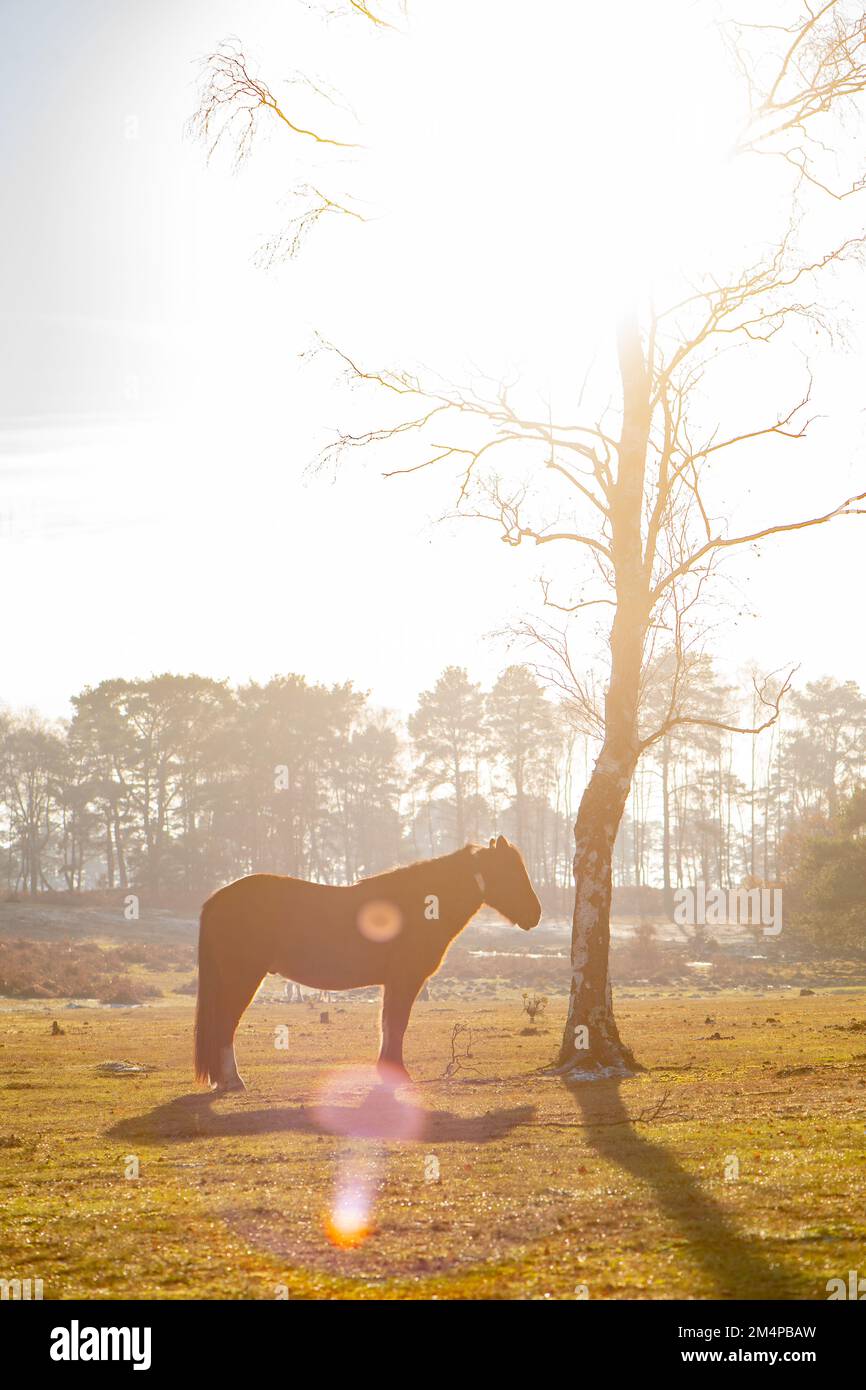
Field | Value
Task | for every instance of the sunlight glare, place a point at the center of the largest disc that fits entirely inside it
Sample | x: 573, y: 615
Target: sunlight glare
x: 548, y: 163
x: 349, y: 1222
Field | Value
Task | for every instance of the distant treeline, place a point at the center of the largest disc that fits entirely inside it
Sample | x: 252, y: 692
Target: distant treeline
x: 175, y: 784
x: 725, y: 808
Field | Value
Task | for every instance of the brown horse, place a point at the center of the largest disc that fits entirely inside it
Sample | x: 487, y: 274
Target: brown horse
x: 390, y: 930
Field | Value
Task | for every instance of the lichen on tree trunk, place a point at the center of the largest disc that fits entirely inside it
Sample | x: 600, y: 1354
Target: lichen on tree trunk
x: 591, y: 1044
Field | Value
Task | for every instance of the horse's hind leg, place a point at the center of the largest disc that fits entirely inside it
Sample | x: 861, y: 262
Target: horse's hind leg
x: 237, y: 994
x: 231, y: 965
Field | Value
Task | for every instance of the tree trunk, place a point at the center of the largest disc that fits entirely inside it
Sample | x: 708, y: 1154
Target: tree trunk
x: 123, y: 876
x: 109, y: 852
x: 591, y: 1042
x: 460, y: 826
x: 666, y: 828
x: 591, y: 1046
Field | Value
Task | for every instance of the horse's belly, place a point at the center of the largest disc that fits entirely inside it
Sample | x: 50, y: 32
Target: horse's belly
x: 336, y: 970
x: 329, y: 978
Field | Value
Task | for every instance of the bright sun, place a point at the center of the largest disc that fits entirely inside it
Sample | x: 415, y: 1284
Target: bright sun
x: 539, y: 164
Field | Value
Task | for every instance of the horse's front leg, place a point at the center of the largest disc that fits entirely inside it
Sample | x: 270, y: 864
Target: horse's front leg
x: 397, y: 1001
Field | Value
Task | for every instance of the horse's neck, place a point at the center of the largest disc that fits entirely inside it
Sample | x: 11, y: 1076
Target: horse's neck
x: 457, y: 889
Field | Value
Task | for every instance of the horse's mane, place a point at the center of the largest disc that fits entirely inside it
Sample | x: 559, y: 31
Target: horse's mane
x: 404, y: 873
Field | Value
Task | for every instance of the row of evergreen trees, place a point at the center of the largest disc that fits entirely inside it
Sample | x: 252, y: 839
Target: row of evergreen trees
x: 724, y: 808
x: 179, y: 783
x: 175, y: 784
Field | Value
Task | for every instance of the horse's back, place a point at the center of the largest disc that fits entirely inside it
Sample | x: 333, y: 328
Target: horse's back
x: 279, y: 919
x: 271, y: 893
x: 308, y: 932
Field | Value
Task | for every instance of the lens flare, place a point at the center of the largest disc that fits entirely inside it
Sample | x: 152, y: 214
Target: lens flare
x: 356, y: 1104
x: 359, y: 1103
x: 349, y: 1221
x: 380, y: 920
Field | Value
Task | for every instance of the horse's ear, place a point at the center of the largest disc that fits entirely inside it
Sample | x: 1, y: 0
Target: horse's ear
x: 492, y: 844
x: 501, y: 843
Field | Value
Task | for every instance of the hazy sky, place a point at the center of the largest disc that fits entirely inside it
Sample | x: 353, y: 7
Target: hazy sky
x: 157, y: 418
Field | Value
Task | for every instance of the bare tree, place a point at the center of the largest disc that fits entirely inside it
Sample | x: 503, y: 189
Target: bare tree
x: 639, y: 520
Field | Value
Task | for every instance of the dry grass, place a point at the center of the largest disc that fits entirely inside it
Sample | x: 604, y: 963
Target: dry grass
x: 620, y: 1188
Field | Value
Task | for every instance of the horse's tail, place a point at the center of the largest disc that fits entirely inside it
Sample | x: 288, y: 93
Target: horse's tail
x: 208, y: 1008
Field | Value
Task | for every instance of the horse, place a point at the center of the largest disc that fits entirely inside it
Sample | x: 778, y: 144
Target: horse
x: 392, y: 929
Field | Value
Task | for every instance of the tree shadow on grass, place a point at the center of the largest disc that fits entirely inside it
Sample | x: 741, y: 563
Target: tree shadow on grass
x: 380, y: 1115
x: 735, y: 1262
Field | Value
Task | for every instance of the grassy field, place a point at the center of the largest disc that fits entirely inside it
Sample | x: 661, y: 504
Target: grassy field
x: 733, y: 1166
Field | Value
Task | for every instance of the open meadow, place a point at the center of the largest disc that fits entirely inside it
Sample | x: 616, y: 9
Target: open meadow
x: 733, y: 1166
x: 433, y: 722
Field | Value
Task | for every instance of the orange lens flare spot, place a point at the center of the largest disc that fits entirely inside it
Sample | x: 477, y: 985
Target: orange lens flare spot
x: 348, y: 1225
x: 380, y: 920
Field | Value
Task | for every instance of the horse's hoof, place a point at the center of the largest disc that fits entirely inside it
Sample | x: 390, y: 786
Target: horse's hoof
x: 223, y: 1086
x: 393, y: 1074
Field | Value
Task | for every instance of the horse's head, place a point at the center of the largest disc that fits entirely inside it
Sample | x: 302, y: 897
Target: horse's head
x: 504, y: 882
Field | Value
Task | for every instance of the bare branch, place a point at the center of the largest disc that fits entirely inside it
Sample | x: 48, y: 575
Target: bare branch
x: 846, y: 508
x: 231, y: 101
x: 287, y: 243
x: 821, y: 68
x: 771, y: 702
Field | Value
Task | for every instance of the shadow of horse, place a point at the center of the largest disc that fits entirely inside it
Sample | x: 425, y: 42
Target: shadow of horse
x: 737, y: 1266
x: 380, y: 1115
